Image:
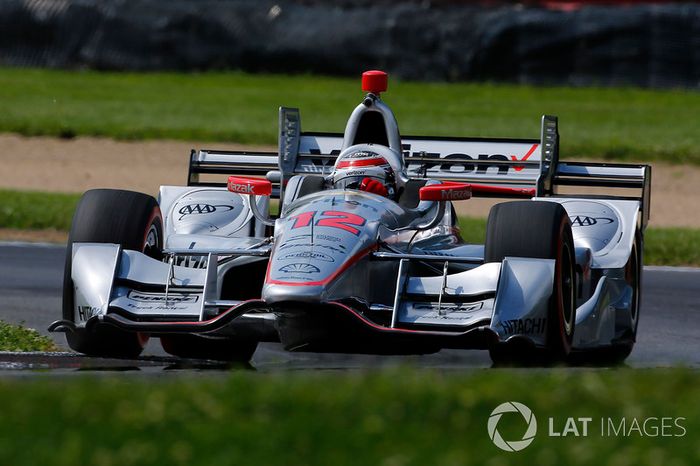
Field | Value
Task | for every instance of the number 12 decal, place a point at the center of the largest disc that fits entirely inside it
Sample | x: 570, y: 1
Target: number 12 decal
x: 332, y: 219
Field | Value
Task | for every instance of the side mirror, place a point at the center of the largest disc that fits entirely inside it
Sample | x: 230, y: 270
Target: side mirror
x: 252, y: 187
x: 249, y: 186
x: 447, y: 191
x: 441, y: 193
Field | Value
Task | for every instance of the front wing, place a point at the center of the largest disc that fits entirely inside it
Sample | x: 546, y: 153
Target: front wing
x: 508, y: 300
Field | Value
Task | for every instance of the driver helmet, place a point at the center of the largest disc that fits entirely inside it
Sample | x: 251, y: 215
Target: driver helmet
x: 366, y: 171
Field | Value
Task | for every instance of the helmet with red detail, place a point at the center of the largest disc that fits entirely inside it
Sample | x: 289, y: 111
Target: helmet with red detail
x: 365, y: 170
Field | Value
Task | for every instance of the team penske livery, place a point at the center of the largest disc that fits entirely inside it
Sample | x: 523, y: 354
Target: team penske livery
x: 350, y: 242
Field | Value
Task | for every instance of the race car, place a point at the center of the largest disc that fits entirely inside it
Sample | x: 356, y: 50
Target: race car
x: 363, y: 253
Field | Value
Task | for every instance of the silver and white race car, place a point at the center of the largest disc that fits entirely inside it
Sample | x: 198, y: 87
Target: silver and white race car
x: 210, y: 271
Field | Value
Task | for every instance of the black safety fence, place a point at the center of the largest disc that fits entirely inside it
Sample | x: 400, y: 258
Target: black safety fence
x: 654, y: 45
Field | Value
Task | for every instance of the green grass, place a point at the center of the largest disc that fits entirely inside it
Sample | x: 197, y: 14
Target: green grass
x: 613, y: 123
x: 672, y: 246
x: 18, y: 338
x: 28, y: 210
x: 35, y: 210
x: 393, y: 417
x: 473, y: 230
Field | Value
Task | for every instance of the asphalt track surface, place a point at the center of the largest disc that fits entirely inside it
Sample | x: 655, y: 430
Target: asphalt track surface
x: 30, y: 294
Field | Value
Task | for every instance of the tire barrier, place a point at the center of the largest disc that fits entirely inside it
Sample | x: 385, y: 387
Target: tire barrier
x: 643, y: 45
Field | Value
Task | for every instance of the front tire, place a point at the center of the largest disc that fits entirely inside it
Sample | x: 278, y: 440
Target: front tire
x: 130, y: 219
x: 537, y: 229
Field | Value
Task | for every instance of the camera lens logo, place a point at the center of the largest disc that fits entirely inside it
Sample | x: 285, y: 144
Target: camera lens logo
x: 512, y: 407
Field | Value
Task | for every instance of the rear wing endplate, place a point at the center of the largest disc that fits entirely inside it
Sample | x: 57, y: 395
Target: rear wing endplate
x: 613, y: 180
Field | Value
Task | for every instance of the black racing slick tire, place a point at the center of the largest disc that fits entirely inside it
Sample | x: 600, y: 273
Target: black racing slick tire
x: 130, y: 219
x: 217, y: 349
x: 537, y: 229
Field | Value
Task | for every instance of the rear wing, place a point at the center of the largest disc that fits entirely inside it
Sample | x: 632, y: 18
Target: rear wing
x: 612, y: 180
x: 510, y: 163
x: 212, y: 164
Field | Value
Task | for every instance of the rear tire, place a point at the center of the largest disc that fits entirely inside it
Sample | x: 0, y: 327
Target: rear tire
x: 537, y: 229
x: 217, y: 349
x: 130, y: 219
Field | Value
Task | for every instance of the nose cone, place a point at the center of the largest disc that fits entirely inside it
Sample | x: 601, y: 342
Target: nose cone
x: 274, y: 293
x: 306, y: 275
x: 319, y: 242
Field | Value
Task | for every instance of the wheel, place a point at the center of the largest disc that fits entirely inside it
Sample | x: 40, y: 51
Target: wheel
x: 633, y: 277
x: 542, y: 230
x: 218, y: 349
x: 130, y: 219
x: 617, y: 353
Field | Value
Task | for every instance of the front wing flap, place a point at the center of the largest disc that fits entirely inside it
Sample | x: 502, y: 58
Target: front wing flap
x: 109, y: 280
x: 510, y: 298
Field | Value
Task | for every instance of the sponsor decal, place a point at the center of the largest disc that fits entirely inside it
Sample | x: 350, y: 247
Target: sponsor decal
x: 420, y: 167
x: 240, y: 188
x: 159, y: 307
x: 299, y: 268
x: 527, y: 156
x: 585, y: 221
x: 244, y: 185
x: 332, y: 239
x: 524, y: 326
x: 448, y: 191
x: 362, y: 154
x: 310, y: 246
x: 160, y: 297
x: 356, y: 172
x: 463, y: 167
x: 449, y: 307
x: 456, y: 194
x: 319, y: 256
x: 85, y: 312
x: 447, y: 313
x: 298, y: 277
x: 193, y: 262
x: 200, y: 209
